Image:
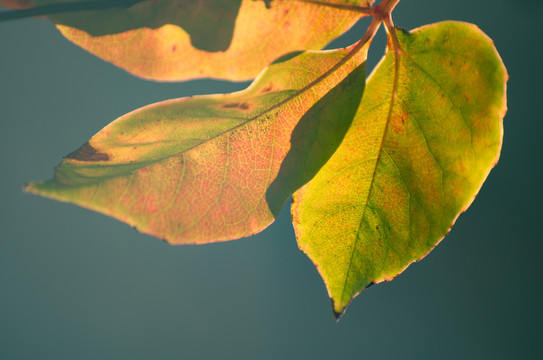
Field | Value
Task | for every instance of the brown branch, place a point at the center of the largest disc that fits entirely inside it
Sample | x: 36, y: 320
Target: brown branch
x: 58, y: 8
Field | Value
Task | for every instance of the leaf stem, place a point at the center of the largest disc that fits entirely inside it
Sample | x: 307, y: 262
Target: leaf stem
x: 391, y: 30
x: 385, y: 8
x: 57, y: 8
x: 360, y: 9
x: 380, y: 11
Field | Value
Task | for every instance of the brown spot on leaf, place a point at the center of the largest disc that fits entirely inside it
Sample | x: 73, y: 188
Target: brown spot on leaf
x: 174, y: 47
x: 267, y: 89
x: 398, y: 122
x: 87, y: 153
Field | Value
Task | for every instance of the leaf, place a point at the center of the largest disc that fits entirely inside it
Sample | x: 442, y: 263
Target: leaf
x: 171, y: 40
x: 208, y: 23
x: 415, y: 157
x: 214, y: 168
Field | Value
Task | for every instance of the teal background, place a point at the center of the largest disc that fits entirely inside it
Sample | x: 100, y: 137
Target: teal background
x: 77, y: 285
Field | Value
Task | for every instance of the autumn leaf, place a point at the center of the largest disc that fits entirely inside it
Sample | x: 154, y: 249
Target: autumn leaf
x: 208, y: 23
x: 172, y: 40
x: 424, y: 138
x: 220, y: 167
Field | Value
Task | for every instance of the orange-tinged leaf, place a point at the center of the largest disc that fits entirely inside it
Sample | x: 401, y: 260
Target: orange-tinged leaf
x: 425, y: 137
x: 218, y: 167
x: 171, y: 40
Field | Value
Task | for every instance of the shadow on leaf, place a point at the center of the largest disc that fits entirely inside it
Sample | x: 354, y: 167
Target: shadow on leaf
x: 316, y: 137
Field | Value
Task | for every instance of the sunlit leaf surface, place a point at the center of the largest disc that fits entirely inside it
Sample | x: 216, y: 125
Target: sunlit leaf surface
x: 174, y: 40
x: 402, y: 175
x: 219, y: 167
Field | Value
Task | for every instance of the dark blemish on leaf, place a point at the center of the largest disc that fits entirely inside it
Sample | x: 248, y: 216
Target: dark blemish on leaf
x: 174, y: 47
x: 87, y: 153
x: 134, y: 148
x: 285, y: 11
x: 398, y: 124
x: 267, y: 89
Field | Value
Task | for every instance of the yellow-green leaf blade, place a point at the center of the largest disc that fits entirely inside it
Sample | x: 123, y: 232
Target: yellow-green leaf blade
x: 401, y: 176
x: 219, y: 167
x: 173, y: 40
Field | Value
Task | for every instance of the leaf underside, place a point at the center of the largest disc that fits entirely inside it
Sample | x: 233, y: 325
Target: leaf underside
x: 174, y: 40
x: 214, y: 168
x: 406, y: 168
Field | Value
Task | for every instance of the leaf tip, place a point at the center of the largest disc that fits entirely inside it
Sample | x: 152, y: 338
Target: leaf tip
x: 338, y: 314
x: 339, y: 308
x: 40, y: 188
x: 29, y: 187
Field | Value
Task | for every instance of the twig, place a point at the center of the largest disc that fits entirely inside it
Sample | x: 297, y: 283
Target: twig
x: 57, y: 8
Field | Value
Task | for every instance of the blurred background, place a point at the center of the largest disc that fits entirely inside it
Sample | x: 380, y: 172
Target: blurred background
x: 75, y: 284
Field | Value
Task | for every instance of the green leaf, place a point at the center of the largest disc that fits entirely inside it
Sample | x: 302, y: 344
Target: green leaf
x: 417, y: 153
x: 172, y: 40
x: 213, y: 168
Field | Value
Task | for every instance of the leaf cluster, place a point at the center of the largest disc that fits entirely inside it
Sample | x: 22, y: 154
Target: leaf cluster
x: 379, y: 168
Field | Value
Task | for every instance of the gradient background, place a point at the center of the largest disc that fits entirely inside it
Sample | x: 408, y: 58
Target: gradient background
x: 77, y: 285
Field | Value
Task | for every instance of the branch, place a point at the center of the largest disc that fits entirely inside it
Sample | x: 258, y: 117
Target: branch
x: 50, y: 9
